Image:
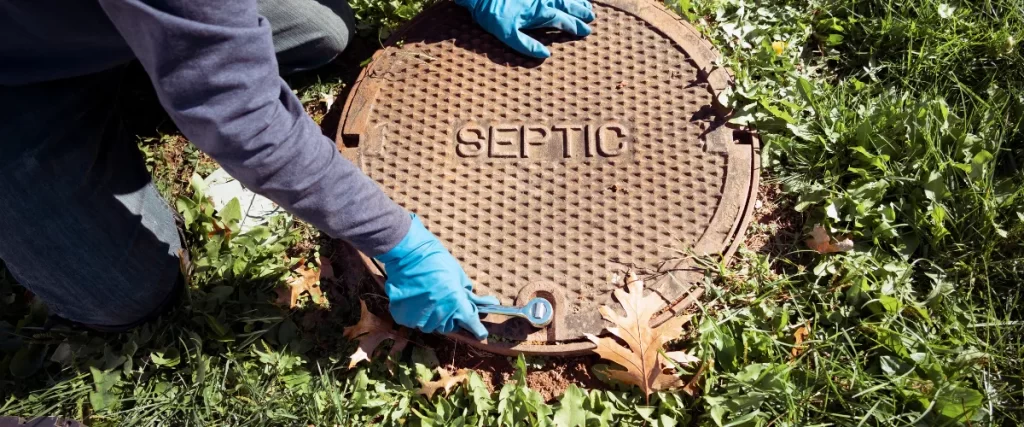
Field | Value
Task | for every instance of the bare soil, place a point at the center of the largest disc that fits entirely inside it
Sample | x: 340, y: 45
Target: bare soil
x: 776, y: 229
x: 551, y: 378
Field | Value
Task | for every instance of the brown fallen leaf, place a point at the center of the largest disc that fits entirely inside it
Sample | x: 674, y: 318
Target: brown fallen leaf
x: 645, y: 366
x: 821, y: 243
x: 307, y: 281
x: 446, y: 382
x: 370, y: 331
x: 695, y: 381
x: 798, y: 341
x: 682, y: 357
x: 185, y: 266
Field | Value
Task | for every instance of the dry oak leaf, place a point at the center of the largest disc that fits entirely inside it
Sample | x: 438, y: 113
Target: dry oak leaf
x: 643, y: 359
x: 370, y: 331
x: 798, y: 341
x: 446, y: 382
x: 821, y: 243
x: 186, y: 267
x: 307, y: 281
x: 682, y: 357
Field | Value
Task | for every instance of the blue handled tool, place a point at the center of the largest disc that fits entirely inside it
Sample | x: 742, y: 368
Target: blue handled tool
x: 537, y: 311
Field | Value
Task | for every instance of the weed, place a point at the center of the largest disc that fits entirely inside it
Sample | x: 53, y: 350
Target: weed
x: 172, y: 161
x: 383, y: 17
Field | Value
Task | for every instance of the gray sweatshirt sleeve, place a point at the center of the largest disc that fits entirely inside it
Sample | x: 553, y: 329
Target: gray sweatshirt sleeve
x: 213, y: 66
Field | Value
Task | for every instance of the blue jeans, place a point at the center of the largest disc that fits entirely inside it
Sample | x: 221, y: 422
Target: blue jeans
x: 81, y: 224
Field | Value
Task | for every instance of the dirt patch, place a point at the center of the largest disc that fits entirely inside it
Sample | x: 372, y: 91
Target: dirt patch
x: 552, y: 382
x: 343, y: 294
x: 777, y: 228
x: 548, y: 375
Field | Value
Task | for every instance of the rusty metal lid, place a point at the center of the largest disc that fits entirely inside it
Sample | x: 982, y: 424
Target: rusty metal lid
x: 548, y: 178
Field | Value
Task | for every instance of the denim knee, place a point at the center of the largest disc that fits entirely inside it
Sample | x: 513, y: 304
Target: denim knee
x: 338, y: 27
x: 82, y: 227
x: 308, y: 33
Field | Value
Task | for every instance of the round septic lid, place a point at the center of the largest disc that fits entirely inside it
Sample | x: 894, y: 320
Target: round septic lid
x: 550, y: 177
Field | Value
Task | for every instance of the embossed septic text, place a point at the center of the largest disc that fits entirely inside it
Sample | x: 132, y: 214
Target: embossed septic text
x: 542, y: 141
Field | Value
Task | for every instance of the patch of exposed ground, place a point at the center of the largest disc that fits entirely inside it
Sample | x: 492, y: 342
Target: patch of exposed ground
x: 548, y: 375
x: 776, y: 228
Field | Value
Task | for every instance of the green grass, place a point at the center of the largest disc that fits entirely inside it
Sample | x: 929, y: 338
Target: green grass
x: 898, y: 124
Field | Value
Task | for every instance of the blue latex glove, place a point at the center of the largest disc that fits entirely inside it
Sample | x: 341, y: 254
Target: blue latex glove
x: 506, y: 20
x: 428, y: 288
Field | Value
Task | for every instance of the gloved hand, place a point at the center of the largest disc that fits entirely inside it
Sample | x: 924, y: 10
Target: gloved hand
x: 506, y: 19
x: 428, y: 288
